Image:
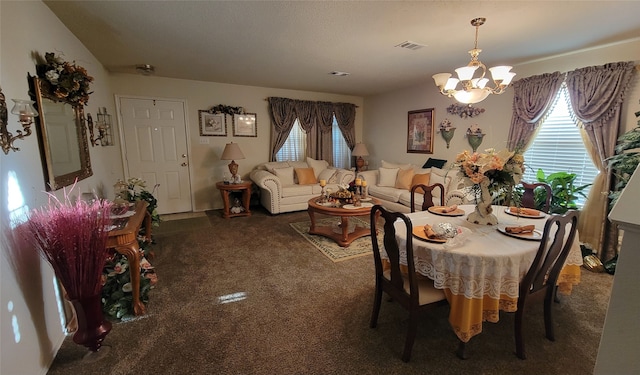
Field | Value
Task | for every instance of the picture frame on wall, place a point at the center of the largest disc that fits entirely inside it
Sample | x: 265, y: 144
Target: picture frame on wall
x: 245, y: 125
x: 212, y: 124
x: 420, y: 131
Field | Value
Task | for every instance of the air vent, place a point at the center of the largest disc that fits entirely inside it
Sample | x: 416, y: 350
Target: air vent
x: 146, y: 69
x: 410, y: 45
x: 339, y: 74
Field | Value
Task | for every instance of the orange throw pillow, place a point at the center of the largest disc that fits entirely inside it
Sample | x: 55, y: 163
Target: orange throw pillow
x: 404, y: 178
x: 420, y: 179
x: 305, y: 176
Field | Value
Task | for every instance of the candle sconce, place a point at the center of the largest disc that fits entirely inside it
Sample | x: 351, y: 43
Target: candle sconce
x: 447, y: 131
x: 24, y: 109
x: 104, y: 127
x: 474, y: 136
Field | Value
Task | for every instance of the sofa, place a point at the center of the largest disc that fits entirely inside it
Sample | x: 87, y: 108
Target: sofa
x: 392, y: 183
x: 287, y: 186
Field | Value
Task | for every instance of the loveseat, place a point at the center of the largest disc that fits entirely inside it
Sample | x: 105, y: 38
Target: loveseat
x: 392, y: 183
x: 287, y: 186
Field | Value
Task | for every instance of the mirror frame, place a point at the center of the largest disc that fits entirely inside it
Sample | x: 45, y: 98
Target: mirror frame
x: 52, y: 181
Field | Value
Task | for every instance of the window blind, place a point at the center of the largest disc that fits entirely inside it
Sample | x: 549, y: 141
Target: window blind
x: 558, y: 147
x: 341, y: 151
x: 295, y: 147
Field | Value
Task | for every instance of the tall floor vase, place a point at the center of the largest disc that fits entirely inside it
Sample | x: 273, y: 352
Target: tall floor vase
x: 92, y: 327
x: 483, y: 212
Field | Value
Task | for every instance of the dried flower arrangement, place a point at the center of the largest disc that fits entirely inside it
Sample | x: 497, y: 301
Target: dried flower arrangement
x: 464, y: 110
x: 65, y: 81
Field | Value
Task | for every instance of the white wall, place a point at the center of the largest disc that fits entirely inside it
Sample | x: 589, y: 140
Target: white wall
x: 385, y: 115
x: 205, y: 164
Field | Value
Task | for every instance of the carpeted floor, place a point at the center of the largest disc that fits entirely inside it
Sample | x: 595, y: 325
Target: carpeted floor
x: 251, y: 296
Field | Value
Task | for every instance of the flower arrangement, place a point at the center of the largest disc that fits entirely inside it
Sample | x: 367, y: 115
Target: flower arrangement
x: 227, y: 109
x: 135, y: 189
x: 464, y: 110
x: 65, y: 81
x: 501, y: 169
x: 445, y: 125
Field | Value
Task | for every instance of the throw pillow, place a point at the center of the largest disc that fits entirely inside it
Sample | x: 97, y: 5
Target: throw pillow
x: 386, y: 164
x: 404, y: 178
x: 275, y: 164
x: 440, y: 176
x: 285, y: 175
x: 388, y: 176
x: 317, y: 165
x: 329, y: 175
x: 420, y: 179
x: 438, y: 163
x: 305, y: 176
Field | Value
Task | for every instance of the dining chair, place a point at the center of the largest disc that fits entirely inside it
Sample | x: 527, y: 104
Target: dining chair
x: 542, y: 276
x: 416, y: 294
x: 529, y: 198
x: 427, y: 199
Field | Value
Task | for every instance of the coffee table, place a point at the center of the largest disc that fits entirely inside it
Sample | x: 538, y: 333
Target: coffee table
x: 343, y: 238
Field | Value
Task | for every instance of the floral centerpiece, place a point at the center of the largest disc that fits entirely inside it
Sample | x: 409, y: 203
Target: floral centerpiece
x: 488, y: 173
x: 65, y: 81
x: 135, y: 189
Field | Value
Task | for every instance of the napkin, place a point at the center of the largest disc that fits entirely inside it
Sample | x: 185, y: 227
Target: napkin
x: 524, y: 229
x: 524, y: 211
x: 448, y: 209
x: 428, y: 231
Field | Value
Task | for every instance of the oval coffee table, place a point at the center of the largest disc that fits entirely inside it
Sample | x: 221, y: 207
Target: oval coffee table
x: 344, y: 238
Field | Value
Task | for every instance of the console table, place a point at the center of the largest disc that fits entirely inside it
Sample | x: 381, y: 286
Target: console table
x: 125, y: 242
x: 227, y: 189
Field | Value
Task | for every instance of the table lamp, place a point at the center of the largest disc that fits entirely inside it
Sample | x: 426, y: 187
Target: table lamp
x: 231, y: 152
x: 360, y: 150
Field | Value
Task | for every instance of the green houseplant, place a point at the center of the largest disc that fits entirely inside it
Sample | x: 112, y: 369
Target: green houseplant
x: 625, y: 161
x: 564, y: 192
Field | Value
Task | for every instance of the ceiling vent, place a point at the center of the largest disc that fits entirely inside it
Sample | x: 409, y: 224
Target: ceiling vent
x: 410, y: 45
x: 145, y: 69
x: 339, y: 74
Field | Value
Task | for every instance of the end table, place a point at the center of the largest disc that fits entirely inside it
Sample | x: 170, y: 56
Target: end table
x: 227, y: 189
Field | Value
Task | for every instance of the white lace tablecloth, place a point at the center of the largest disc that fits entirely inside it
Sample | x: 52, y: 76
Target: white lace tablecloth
x: 487, y: 263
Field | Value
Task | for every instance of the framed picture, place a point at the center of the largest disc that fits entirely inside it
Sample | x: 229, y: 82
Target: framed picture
x: 420, y: 131
x: 212, y: 124
x: 245, y: 125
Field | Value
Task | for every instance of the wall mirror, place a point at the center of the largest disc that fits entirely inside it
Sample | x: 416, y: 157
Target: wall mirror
x: 62, y: 137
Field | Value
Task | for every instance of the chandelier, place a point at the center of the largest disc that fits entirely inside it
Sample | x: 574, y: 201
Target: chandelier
x: 474, y: 89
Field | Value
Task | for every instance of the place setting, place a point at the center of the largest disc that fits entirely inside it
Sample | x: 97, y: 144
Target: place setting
x: 523, y: 232
x: 446, y: 210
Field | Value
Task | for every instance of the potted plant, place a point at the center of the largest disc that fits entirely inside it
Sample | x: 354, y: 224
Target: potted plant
x: 626, y: 160
x: 564, y: 192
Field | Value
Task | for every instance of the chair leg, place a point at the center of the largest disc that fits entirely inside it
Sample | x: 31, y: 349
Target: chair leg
x: 377, y: 301
x: 548, y: 319
x: 462, y: 350
x: 411, y: 336
x: 520, y: 353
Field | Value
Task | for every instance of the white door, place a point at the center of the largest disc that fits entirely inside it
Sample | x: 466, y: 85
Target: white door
x: 156, y: 149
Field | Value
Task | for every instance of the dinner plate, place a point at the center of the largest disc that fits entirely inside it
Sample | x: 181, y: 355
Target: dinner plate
x: 539, y: 216
x: 419, y: 232
x: 437, y: 210
x: 126, y: 214
x: 536, y: 235
x: 365, y: 199
x: 362, y: 205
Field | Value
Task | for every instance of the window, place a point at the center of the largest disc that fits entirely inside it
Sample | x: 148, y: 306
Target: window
x: 341, y: 151
x: 295, y: 148
x: 558, y: 147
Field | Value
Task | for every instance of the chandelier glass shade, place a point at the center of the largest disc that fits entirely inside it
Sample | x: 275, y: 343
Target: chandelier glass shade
x: 469, y: 87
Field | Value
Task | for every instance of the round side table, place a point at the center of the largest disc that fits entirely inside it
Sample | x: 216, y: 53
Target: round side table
x: 227, y: 189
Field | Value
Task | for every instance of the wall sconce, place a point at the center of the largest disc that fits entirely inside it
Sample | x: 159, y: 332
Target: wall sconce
x: 103, y: 124
x: 474, y: 136
x: 26, y: 113
x: 447, y: 131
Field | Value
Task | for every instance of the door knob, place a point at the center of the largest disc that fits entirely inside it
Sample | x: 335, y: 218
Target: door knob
x: 184, y: 164
x: 184, y: 155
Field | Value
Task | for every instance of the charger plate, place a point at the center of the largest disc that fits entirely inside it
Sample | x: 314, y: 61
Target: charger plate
x: 437, y: 210
x: 536, y: 235
x: 540, y: 214
x: 419, y: 232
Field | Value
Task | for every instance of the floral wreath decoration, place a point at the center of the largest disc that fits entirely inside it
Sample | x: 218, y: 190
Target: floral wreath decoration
x: 65, y: 81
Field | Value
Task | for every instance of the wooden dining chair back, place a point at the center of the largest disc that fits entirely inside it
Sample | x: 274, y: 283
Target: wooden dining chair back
x: 543, y: 274
x: 529, y: 197
x: 405, y: 287
x: 427, y: 199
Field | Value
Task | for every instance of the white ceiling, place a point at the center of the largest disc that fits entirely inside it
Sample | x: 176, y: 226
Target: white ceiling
x: 296, y: 44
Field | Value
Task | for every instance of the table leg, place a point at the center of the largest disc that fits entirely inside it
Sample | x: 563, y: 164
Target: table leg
x: 344, y: 224
x: 225, y: 200
x: 462, y: 350
x: 313, y: 220
x: 132, y: 253
x: 246, y: 195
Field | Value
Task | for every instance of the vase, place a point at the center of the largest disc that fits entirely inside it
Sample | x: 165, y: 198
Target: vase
x: 448, y: 135
x: 475, y: 140
x: 483, y: 213
x: 92, y: 327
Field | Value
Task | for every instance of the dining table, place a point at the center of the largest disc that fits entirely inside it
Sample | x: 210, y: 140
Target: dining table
x: 480, y: 269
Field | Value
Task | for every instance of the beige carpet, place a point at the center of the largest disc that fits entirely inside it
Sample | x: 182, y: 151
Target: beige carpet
x: 328, y: 247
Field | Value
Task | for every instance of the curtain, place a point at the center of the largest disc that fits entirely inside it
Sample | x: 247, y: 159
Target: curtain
x: 346, y: 116
x: 325, y: 124
x: 283, y: 115
x: 596, y: 95
x: 306, y: 113
x: 532, y: 99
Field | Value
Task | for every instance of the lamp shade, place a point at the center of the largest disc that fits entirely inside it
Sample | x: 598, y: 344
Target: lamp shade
x: 232, y: 152
x: 360, y: 150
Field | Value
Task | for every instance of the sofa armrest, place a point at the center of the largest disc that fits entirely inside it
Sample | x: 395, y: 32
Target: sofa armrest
x: 345, y: 176
x: 267, y: 180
